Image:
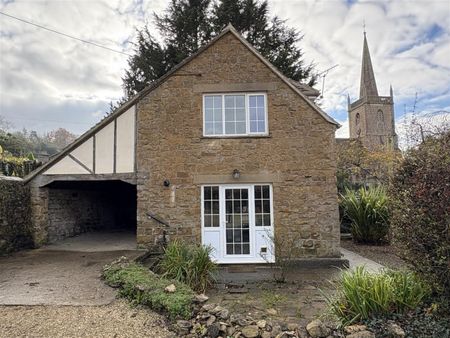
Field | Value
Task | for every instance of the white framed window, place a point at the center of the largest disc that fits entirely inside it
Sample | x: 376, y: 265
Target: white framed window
x: 235, y: 114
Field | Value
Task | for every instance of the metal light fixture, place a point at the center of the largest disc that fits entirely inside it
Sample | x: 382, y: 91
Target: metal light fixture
x: 236, y: 174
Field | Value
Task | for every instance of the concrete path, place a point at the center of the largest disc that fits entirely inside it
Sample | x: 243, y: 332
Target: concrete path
x: 355, y: 260
x: 67, y: 273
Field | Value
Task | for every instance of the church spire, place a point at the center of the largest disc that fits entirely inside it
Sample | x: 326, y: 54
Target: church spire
x: 368, y: 86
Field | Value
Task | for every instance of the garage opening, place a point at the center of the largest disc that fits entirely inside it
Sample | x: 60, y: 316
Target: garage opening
x: 77, y: 207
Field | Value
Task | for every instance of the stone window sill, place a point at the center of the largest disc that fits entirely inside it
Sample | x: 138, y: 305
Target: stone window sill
x: 234, y: 137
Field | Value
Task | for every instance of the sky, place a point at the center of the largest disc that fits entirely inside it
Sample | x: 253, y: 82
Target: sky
x: 49, y: 81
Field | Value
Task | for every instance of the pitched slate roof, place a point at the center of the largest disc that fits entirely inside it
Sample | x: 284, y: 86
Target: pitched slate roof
x: 302, y: 90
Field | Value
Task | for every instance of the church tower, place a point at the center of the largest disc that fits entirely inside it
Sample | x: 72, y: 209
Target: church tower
x: 371, y: 117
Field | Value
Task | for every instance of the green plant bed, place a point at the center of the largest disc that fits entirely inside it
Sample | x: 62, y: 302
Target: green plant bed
x: 141, y: 286
x: 362, y: 295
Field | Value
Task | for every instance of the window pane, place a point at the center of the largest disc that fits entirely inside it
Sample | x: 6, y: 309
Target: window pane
x: 230, y: 236
x: 237, y: 249
x: 218, y: 128
x: 257, y: 191
x: 215, y: 192
x: 266, y: 190
x: 261, y: 127
x: 218, y: 115
x: 267, y: 220
x: 258, y: 206
x: 215, y: 221
x: 209, y: 115
x: 246, y: 248
x: 240, y: 115
x: 240, y: 101
x: 240, y: 128
x: 253, y: 115
x: 207, y: 193
x: 218, y: 102
x: 209, y: 128
x: 229, y: 101
x: 229, y: 114
x: 229, y: 249
x: 261, y: 115
x: 266, y: 206
x: 258, y: 220
x: 237, y: 236
x: 252, y: 101
x: 260, y: 101
x: 208, y: 102
x: 211, y: 206
x: 245, y: 236
x: 230, y: 128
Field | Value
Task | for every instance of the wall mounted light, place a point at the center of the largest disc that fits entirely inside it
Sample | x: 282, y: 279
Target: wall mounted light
x: 166, y: 183
x: 236, y: 174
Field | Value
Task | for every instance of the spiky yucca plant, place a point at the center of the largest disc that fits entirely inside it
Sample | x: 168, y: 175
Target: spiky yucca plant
x: 367, y: 209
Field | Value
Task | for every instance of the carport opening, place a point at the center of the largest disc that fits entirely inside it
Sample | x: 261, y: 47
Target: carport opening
x: 77, y: 207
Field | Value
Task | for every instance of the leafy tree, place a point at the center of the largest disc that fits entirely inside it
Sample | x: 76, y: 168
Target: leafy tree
x: 186, y: 25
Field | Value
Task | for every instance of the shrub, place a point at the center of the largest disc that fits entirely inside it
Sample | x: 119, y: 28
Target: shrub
x: 141, y: 286
x: 362, y: 295
x: 367, y: 209
x: 420, y: 194
x: 190, y: 264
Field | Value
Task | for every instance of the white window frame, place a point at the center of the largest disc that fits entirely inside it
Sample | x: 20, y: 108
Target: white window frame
x: 221, y: 256
x: 247, y: 115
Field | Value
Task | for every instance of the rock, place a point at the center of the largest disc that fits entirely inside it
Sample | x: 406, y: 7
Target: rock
x: 208, y: 307
x: 276, y: 329
x: 272, y: 312
x: 230, y: 331
x: 210, y: 320
x: 250, y: 331
x: 220, y: 312
x: 266, y: 334
x: 395, y: 330
x: 292, y: 326
x: 170, y: 288
x: 361, y: 334
x: 213, y: 330
x: 261, y: 324
x: 317, y: 329
x: 133, y: 314
x: 201, y: 298
x: 183, y: 326
x: 354, y: 328
x: 239, y: 320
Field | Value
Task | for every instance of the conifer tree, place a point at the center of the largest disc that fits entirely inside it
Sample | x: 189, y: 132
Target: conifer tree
x: 186, y: 25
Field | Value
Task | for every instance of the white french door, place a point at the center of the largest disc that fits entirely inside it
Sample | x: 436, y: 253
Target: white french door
x: 237, y: 222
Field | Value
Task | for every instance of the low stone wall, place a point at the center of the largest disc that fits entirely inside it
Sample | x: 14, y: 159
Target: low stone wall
x: 15, y: 215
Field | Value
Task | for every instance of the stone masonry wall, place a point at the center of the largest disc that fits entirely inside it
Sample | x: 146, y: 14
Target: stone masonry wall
x: 15, y: 215
x: 72, y: 212
x: 298, y: 156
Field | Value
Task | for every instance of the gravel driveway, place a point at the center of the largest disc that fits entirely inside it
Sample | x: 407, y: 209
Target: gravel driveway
x: 117, y: 319
x: 56, y: 291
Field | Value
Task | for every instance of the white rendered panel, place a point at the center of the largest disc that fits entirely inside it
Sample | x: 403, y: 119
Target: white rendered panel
x: 125, y: 142
x: 211, y: 238
x: 104, y: 150
x: 85, y: 153
x: 66, y: 166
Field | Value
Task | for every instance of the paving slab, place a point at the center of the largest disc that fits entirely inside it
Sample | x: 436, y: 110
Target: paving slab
x: 355, y: 260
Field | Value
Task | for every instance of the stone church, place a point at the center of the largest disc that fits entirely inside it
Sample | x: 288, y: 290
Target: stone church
x: 371, y: 117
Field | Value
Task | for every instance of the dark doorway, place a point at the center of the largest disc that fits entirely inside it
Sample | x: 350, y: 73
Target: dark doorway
x: 76, y: 207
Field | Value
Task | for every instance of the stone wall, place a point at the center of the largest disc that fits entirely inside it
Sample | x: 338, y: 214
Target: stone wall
x: 15, y: 215
x: 72, y: 212
x: 66, y: 209
x: 298, y: 157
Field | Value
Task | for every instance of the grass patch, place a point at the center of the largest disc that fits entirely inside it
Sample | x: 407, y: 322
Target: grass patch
x: 271, y: 299
x: 141, y: 286
x: 362, y: 295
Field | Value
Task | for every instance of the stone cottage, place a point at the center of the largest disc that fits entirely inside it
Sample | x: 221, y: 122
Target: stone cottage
x: 223, y: 150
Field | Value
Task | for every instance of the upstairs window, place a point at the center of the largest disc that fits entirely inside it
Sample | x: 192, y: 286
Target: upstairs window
x: 235, y: 114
